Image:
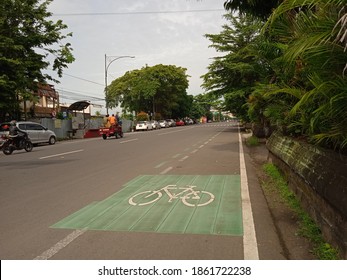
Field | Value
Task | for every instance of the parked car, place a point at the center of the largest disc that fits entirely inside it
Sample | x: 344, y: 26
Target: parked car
x: 171, y: 122
x: 190, y: 121
x: 163, y: 123
x: 155, y: 124
x: 179, y: 123
x: 37, y: 132
x: 143, y: 125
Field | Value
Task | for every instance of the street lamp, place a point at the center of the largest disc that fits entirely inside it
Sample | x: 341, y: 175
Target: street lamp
x: 107, y: 64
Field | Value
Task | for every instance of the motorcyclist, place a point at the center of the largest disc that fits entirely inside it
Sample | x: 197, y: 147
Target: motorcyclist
x: 16, y: 134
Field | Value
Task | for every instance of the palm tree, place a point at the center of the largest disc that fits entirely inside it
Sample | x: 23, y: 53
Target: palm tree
x: 314, y: 31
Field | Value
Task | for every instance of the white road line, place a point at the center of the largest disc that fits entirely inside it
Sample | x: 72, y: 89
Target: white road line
x: 192, y: 152
x: 201, y: 146
x: 174, y: 131
x: 166, y: 170
x: 184, y: 158
x: 60, y: 245
x: 160, y: 164
x: 126, y: 141
x: 62, y: 154
x: 250, y: 247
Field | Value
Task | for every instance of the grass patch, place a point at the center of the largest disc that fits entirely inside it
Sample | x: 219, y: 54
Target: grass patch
x: 252, y: 141
x: 307, y: 226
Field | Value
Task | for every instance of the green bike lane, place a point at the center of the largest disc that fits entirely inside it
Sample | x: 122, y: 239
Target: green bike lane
x: 222, y: 215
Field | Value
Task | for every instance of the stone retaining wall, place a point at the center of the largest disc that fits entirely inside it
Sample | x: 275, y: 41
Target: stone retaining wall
x: 318, y: 177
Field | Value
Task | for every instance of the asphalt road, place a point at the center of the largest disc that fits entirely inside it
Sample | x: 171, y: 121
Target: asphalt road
x: 72, y: 200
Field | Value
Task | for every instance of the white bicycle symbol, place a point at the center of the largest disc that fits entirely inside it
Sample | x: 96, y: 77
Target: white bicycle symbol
x: 188, y: 195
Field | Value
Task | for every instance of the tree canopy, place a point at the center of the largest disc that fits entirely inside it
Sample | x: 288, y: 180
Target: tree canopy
x: 258, y: 8
x: 291, y: 75
x: 233, y: 74
x: 29, y: 40
x: 160, y: 89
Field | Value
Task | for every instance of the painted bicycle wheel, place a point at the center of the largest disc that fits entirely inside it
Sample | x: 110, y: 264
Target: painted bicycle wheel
x: 145, y: 198
x: 201, y: 198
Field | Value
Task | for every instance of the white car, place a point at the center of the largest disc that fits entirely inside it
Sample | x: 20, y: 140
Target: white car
x: 143, y: 125
x: 171, y: 122
x: 155, y: 124
x: 163, y: 123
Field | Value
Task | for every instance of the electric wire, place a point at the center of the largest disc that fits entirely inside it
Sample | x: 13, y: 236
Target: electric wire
x: 138, y: 13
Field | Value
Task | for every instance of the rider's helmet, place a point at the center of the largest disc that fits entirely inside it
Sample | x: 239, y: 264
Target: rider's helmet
x: 13, y: 122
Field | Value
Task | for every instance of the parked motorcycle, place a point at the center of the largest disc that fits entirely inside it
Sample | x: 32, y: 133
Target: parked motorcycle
x: 11, y: 144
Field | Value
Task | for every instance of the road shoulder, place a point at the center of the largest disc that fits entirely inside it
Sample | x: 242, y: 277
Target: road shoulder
x: 293, y: 246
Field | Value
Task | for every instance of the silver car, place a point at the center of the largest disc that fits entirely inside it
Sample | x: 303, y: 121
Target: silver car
x: 163, y: 123
x: 37, y: 133
x: 155, y: 124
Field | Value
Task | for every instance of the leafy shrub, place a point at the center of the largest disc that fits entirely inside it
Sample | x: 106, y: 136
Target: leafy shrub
x: 142, y: 116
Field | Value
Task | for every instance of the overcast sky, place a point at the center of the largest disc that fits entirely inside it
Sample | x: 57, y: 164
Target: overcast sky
x: 169, y: 32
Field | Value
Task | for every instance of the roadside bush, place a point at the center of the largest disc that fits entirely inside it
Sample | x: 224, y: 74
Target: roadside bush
x: 142, y: 116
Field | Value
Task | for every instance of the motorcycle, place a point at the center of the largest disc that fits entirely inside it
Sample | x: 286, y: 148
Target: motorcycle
x: 9, y: 144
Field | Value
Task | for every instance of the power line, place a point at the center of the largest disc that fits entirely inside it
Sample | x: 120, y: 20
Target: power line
x: 89, y: 81
x: 140, y: 13
x: 64, y: 93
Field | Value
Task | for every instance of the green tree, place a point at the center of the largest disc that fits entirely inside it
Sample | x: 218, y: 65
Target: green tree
x: 303, y: 47
x: 259, y: 8
x: 202, y: 105
x: 197, y: 110
x: 29, y: 39
x: 234, y: 74
x: 159, y: 89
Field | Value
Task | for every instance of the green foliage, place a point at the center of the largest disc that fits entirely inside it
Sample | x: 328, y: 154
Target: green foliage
x: 202, y: 105
x: 234, y: 74
x: 28, y: 41
x: 258, y: 8
x: 291, y: 75
x: 159, y: 89
x: 316, y: 90
x: 252, y: 141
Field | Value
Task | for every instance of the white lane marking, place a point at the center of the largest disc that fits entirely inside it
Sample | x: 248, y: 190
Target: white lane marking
x: 201, y: 146
x: 62, y: 154
x: 160, y: 164
x: 192, y: 152
x: 173, y: 131
x: 126, y: 141
x: 60, y: 245
x: 184, y: 158
x: 250, y: 247
x: 166, y: 170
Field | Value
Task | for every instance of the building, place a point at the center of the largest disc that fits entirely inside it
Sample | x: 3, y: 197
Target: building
x: 43, y: 104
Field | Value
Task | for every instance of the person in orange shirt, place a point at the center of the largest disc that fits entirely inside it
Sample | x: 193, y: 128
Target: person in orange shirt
x: 112, y: 120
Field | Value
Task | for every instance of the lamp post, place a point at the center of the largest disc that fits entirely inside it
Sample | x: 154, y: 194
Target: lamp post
x: 107, y: 65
